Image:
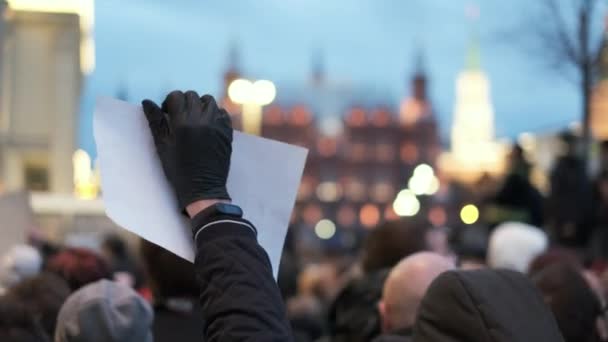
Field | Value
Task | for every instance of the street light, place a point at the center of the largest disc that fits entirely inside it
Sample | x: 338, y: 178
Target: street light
x: 252, y: 96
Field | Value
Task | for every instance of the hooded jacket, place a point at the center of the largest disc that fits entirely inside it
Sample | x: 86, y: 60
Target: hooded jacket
x: 484, y: 306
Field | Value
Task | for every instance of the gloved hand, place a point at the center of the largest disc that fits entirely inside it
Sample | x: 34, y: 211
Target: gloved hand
x: 193, y: 138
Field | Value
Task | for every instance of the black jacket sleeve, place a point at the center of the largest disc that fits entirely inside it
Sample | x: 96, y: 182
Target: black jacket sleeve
x: 239, y: 296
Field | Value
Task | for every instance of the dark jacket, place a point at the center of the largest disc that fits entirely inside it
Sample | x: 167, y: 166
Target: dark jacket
x: 484, y: 306
x: 404, y: 335
x: 238, y: 294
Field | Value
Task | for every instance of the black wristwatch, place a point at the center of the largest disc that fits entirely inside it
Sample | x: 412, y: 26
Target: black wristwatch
x: 218, y: 209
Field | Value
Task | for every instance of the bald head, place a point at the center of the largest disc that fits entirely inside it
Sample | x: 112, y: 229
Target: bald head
x: 406, y: 285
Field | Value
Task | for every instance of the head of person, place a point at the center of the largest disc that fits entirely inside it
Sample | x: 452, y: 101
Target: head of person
x: 79, y: 267
x: 555, y: 255
x: 405, y: 287
x: 104, y: 311
x: 575, y: 306
x: 514, y: 245
x: 169, y: 275
x: 471, y: 246
x: 113, y: 248
x: 485, y: 305
x: 17, y: 324
x: 43, y: 297
x: 353, y: 315
x: 392, y: 241
x: 19, y: 263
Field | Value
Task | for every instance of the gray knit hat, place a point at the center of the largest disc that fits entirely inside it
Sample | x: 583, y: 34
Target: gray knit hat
x: 104, y: 311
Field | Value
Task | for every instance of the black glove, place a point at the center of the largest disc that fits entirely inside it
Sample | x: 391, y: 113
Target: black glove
x: 193, y: 138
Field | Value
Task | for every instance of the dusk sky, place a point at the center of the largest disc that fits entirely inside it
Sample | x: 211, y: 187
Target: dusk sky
x: 151, y: 46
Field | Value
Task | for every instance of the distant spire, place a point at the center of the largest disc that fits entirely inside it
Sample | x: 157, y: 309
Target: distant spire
x: 419, y: 61
x: 473, y: 56
x: 318, y: 67
x: 234, y: 56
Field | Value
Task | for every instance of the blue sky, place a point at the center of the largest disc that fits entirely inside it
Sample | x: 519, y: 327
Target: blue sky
x: 151, y: 46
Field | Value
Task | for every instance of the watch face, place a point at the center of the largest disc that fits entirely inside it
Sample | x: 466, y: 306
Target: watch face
x: 229, y: 209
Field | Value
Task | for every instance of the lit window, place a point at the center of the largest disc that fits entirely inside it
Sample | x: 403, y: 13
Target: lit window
x: 409, y: 152
x: 356, y: 117
x: 382, y: 192
x: 274, y: 116
x: 355, y: 191
x: 390, y: 214
x: 327, y: 147
x: 385, y: 152
x: 329, y: 191
x: 346, y: 216
x: 358, y: 151
x: 306, y: 188
x: 369, y: 216
x: 300, y: 116
x: 381, y: 118
x: 312, y: 214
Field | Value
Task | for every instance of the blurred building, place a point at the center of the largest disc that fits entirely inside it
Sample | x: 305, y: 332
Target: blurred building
x: 46, y: 52
x: 474, y: 150
x: 362, y: 148
x: 40, y: 90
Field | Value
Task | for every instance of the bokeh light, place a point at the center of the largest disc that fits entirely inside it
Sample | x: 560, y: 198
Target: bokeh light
x: 406, y: 203
x: 369, y: 216
x: 469, y: 214
x: 325, y: 229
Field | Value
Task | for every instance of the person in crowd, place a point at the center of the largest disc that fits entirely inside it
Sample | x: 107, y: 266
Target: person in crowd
x: 174, y: 290
x: 105, y: 311
x: 484, y: 306
x: 403, y: 290
x: 79, y: 267
x: 17, y: 324
x: 517, y: 199
x: 19, y: 263
x: 514, y: 245
x: 239, y: 297
x: 392, y: 241
x: 121, y: 263
x: 471, y: 246
x: 568, y: 206
x: 555, y: 255
x: 354, y: 316
x: 576, y: 307
x: 599, y: 239
x: 42, y: 297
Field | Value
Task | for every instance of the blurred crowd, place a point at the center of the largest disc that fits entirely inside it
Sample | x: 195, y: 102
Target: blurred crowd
x: 534, y: 269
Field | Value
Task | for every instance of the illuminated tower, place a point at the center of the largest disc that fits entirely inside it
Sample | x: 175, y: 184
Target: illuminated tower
x: 474, y: 150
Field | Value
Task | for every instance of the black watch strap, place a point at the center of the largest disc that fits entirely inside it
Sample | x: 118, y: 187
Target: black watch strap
x: 217, y: 210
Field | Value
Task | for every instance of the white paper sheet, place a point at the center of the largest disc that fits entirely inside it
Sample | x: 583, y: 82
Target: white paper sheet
x: 263, y: 180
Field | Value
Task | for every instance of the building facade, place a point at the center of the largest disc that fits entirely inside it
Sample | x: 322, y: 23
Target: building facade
x: 41, y: 82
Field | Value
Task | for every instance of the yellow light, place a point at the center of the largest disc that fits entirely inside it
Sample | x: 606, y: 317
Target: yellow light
x: 85, y: 9
x: 264, y: 92
x: 325, y: 229
x: 469, y: 214
x: 86, y: 185
x: 406, y: 203
x: 239, y: 91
